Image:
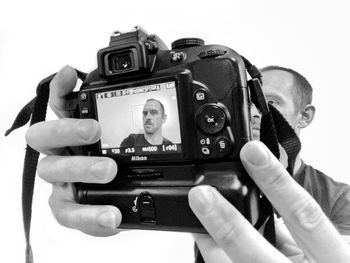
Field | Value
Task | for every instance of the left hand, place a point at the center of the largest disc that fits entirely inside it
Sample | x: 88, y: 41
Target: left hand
x: 233, y: 239
x: 51, y: 138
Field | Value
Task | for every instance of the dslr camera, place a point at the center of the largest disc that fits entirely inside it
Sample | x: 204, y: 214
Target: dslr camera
x: 172, y: 120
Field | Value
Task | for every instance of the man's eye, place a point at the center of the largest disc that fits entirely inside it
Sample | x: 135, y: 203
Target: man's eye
x: 153, y: 112
x: 273, y: 102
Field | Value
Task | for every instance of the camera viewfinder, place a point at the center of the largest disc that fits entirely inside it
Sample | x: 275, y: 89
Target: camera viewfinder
x: 120, y: 62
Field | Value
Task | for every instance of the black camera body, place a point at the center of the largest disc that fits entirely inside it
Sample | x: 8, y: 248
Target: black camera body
x: 198, y: 98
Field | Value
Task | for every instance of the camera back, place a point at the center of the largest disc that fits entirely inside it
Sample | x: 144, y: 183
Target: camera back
x: 171, y: 119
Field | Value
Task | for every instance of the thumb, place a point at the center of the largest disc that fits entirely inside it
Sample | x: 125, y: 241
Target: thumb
x: 62, y: 84
x: 211, y: 252
x: 285, y: 242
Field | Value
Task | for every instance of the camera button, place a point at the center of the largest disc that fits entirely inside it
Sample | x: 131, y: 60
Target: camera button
x: 204, y: 141
x: 83, y: 96
x: 211, y: 119
x: 222, y: 144
x: 206, y: 150
x: 200, y: 96
x: 177, y: 56
x: 84, y: 111
x: 147, y: 208
x: 211, y: 53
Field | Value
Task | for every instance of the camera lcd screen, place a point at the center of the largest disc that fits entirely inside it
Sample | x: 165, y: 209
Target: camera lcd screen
x: 142, y: 120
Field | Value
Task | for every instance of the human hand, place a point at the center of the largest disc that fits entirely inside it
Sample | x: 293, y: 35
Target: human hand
x: 233, y: 239
x: 50, y: 138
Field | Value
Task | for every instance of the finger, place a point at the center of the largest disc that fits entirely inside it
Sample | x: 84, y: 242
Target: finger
x: 71, y: 169
x: 230, y: 230
x: 310, y: 227
x: 51, y: 136
x: 285, y: 242
x: 210, y: 251
x: 99, y: 220
x: 62, y: 84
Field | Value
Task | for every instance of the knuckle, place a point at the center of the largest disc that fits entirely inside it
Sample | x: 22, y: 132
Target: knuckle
x: 60, y: 214
x: 57, y: 212
x: 277, y: 179
x: 69, y: 166
x: 30, y: 136
x: 61, y: 128
x: 308, y: 214
x: 104, y: 170
x: 57, y: 109
x: 42, y: 168
x: 52, y: 202
x: 58, y: 209
x: 80, y: 220
x: 228, y: 235
x: 88, y: 130
x: 60, y: 218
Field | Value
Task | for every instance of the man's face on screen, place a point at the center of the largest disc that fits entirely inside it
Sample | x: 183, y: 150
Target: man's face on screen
x: 153, y: 117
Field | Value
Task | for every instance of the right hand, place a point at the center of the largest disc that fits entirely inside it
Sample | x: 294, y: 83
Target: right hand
x: 231, y: 238
x: 50, y: 138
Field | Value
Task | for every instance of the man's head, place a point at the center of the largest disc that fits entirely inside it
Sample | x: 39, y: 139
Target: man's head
x: 290, y: 93
x: 153, y: 116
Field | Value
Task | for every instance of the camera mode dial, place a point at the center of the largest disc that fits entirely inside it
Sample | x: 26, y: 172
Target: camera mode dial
x: 187, y: 42
x: 211, y: 118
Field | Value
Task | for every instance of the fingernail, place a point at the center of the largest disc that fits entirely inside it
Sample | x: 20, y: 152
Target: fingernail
x: 202, y: 199
x: 255, y: 153
x: 107, y: 219
x: 87, y: 130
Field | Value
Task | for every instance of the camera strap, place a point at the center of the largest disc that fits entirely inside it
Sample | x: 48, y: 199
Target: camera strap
x: 274, y: 130
x: 35, y: 111
x: 274, y: 127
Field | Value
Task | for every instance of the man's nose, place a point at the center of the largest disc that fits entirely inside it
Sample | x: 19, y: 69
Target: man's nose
x: 254, y: 112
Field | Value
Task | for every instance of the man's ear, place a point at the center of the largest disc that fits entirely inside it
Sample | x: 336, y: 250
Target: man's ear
x: 164, y: 118
x: 307, y: 116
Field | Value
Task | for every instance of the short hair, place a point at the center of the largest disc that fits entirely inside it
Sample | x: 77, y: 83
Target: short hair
x: 161, y: 105
x: 303, y: 89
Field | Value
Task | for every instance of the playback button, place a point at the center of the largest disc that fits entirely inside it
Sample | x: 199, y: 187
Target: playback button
x: 200, y: 96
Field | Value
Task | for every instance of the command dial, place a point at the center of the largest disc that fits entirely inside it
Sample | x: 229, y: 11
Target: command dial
x: 187, y: 42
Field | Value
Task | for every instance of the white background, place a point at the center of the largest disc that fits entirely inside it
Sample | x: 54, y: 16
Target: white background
x: 39, y: 37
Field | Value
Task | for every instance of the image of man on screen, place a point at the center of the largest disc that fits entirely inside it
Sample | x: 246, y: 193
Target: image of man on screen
x: 153, y: 117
